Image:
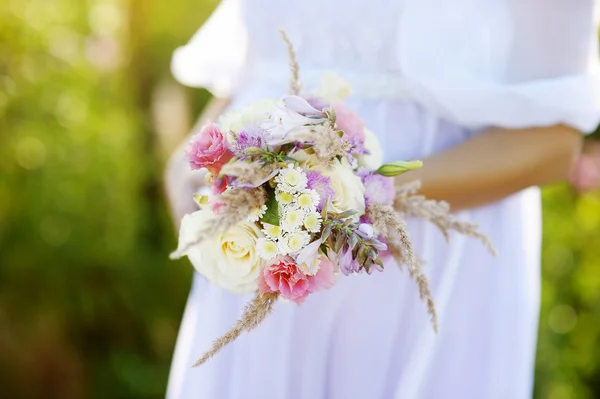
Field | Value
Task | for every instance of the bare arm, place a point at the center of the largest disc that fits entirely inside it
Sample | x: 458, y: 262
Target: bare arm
x: 180, y: 181
x: 497, y: 163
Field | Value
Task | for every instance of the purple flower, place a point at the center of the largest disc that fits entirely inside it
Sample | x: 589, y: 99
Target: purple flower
x: 251, y: 136
x: 347, y: 263
x: 321, y: 185
x: 378, y: 189
x: 317, y: 103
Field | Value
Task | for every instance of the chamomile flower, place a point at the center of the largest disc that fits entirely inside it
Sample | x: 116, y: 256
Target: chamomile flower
x: 267, y: 249
x: 257, y: 213
x: 308, y: 199
x: 312, y: 222
x: 272, y: 231
x: 284, y: 198
x: 292, y: 218
x: 291, y: 179
x: 293, y: 242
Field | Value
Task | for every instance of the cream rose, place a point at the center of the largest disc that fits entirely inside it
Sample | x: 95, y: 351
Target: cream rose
x: 333, y: 89
x: 374, y: 159
x: 230, y: 259
x: 348, y: 188
x: 236, y: 119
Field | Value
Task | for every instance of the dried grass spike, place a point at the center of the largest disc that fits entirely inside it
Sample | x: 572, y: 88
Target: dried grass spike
x: 255, y: 313
x: 295, y: 85
x: 388, y: 223
x: 438, y: 213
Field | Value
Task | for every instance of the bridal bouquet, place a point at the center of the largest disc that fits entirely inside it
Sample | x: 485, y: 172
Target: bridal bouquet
x: 298, y: 198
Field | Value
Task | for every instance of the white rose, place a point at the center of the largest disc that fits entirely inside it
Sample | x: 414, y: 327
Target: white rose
x: 230, y: 259
x: 255, y: 113
x: 348, y: 189
x: 374, y: 159
x: 333, y: 89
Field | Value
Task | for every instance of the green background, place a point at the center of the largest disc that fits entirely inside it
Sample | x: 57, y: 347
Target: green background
x: 89, y: 302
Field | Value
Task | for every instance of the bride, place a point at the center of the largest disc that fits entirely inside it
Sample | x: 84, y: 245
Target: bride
x: 493, y: 95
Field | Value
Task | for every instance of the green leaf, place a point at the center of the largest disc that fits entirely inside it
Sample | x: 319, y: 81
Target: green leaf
x: 271, y: 216
x: 347, y: 214
x: 398, y: 167
x: 286, y: 158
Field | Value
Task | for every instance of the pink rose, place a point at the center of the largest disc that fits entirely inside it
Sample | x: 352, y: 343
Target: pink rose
x: 348, y: 121
x: 282, y: 275
x: 208, y: 149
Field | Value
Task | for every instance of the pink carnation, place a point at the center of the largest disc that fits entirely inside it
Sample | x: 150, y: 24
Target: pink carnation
x: 208, y: 149
x: 282, y: 275
x: 348, y: 121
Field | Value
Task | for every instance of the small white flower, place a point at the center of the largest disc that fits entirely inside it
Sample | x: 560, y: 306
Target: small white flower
x: 312, y: 222
x: 308, y: 199
x: 257, y: 213
x: 266, y: 248
x: 272, y: 231
x: 295, y: 241
x: 282, y: 247
x: 284, y: 198
x: 311, y: 266
x: 291, y: 179
x: 292, y: 218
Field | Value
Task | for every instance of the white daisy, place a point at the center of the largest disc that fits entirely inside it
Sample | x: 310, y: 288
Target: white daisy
x: 312, y: 222
x: 291, y: 179
x: 266, y: 248
x: 295, y: 241
x: 257, y: 213
x: 272, y: 231
x: 284, y: 198
x: 311, y: 266
x: 292, y: 218
x: 308, y: 199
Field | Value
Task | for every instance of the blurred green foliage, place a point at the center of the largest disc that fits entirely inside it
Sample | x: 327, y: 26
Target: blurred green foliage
x: 89, y: 303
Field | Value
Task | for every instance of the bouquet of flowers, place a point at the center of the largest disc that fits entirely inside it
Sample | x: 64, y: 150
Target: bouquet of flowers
x: 298, y: 196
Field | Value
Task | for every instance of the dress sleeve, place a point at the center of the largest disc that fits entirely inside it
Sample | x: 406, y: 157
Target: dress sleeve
x: 506, y: 63
x: 216, y: 56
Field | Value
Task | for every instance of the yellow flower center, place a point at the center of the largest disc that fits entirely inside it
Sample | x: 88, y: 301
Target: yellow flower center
x: 305, y: 200
x: 285, y: 198
x: 311, y: 221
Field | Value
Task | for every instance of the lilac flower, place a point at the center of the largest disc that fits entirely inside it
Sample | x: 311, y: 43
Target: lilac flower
x: 365, y: 230
x: 347, y: 263
x: 378, y: 189
x: 301, y: 106
x: 251, y: 136
x: 321, y: 185
x: 317, y: 103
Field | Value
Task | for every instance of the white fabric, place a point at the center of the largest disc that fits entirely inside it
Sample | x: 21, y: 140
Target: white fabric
x: 452, y: 67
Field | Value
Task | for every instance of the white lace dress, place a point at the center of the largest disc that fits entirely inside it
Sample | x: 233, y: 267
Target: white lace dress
x: 427, y: 75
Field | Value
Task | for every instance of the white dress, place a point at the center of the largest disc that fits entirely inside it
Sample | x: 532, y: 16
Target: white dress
x: 427, y: 75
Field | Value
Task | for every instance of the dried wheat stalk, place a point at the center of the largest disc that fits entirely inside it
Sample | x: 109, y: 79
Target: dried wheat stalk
x: 295, y: 85
x: 408, y: 202
x: 254, y: 314
x: 388, y: 223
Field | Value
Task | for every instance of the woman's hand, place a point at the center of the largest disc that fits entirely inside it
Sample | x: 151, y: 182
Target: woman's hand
x: 181, y: 182
x: 496, y: 164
